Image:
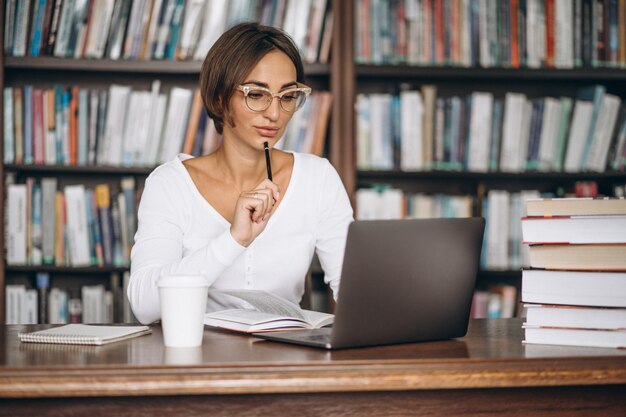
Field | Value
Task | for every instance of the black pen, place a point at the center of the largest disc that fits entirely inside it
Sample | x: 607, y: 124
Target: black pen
x: 267, y: 160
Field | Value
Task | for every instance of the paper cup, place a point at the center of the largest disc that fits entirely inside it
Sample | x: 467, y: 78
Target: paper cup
x: 183, y: 304
x: 182, y: 355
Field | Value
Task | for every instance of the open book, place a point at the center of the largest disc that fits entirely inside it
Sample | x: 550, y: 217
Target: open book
x: 261, y: 311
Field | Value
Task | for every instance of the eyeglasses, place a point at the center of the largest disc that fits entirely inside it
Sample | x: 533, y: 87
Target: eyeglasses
x: 259, y: 98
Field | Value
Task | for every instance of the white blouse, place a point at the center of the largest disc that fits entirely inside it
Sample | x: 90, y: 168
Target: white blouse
x: 179, y: 232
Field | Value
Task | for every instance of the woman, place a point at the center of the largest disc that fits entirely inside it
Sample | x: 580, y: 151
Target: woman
x: 220, y: 215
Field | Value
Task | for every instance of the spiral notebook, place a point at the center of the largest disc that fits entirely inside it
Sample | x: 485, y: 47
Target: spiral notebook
x: 84, y: 334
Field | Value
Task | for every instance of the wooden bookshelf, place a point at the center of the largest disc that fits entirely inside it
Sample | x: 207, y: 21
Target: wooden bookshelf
x: 100, y: 73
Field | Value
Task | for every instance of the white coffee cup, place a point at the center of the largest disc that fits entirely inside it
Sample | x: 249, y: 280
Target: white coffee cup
x: 183, y: 304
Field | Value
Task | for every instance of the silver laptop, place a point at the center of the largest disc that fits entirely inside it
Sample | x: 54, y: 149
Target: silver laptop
x: 402, y: 281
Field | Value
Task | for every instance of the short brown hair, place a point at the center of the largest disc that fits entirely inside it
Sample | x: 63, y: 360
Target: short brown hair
x: 231, y: 59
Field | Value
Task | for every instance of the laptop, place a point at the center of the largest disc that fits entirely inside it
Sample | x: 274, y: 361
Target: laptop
x: 402, y: 281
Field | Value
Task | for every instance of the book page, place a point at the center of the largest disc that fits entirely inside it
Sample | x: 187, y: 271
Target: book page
x: 318, y: 319
x: 262, y: 301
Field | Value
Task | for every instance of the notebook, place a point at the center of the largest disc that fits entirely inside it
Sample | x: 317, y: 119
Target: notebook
x: 402, y: 281
x: 84, y: 334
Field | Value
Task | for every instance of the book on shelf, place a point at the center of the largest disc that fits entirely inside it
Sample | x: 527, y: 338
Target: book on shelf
x: 575, y: 229
x: 608, y: 257
x: 575, y: 337
x: 577, y: 317
x: 84, y: 334
x: 260, y: 311
x: 567, y: 287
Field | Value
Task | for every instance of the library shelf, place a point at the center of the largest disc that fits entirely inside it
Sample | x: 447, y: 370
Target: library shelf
x: 66, y: 269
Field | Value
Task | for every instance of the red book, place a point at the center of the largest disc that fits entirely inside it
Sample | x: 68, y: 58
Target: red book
x: 74, y: 126
x: 549, y: 12
x: 513, y: 10
x: 439, y: 31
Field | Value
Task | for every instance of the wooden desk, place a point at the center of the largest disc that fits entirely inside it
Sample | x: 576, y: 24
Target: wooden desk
x: 489, y: 372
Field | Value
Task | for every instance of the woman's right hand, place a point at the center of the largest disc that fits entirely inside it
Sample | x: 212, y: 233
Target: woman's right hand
x: 252, y: 212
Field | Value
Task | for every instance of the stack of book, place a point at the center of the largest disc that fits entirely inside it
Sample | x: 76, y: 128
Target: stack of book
x: 575, y: 289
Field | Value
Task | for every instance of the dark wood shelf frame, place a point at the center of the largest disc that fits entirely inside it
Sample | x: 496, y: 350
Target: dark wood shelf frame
x: 66, y: 269
x: 146, y: 67
x: 77, y: 170
x: 442, y: 72
x: 481, y: 176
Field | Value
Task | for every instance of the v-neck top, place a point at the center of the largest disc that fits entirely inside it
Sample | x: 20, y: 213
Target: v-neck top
x: 180, y: 232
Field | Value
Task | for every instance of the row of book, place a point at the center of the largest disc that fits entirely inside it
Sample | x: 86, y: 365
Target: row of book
x: 575, y: 288
x: 55, y: 305
x: 386, y: 202
x: 417, y: 130
x: 123, y: 126
x: 155, y: 29
x: 76, y: 226
x: 505, y: 33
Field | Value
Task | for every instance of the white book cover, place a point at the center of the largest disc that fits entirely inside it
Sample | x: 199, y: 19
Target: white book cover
x: 14, y: 299
x: 363, y: 131
x: 497, y: 230
x: 483, y: 31
x: 214, y: 23
x: 366, y: 204
x: 563, y: 34
x: 549, y: 133
x: 511, y: 132
x: 110, y: 150
x: 577, y: 138
x: 132, y: 127
x: 175, y: 123
x: 607, y: 118
x: 159, y: 109
x: 297, y: 21
x: 156, y: 115
x: 190, y: 30
x: 93, y: 303
x: 527, y: 111
x: 99, y: 34
x: 480, y: 132
x: 16, y: 224
x: 411, y: 137
x: 532, y: 58
x: 9, y: 138
x: 57, y: 306
x: 381, y: 148
x: 77, y: 231
x: 30, y: 307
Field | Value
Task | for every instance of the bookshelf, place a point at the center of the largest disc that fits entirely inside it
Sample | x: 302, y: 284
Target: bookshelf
x: 46, y: 71
x: 345, y: 79
x: 362, y: 77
